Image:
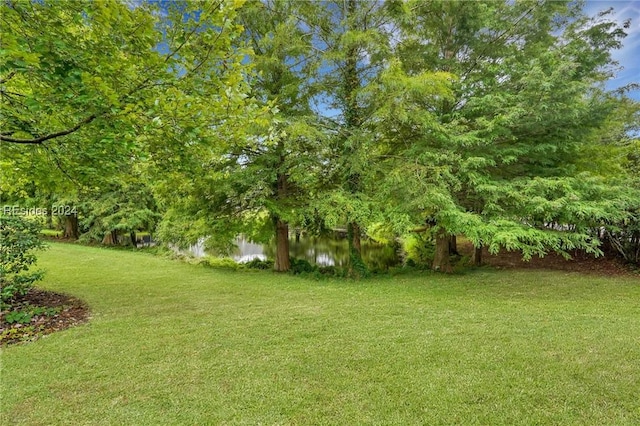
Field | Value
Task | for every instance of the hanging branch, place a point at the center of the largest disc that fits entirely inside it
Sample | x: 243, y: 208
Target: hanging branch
x: 44, y: 138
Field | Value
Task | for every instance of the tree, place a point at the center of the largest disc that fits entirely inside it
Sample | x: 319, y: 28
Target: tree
x: 284, y: 155
x: 85, y: 72
x: 110, y: 83
x: 18, y: 239
x: 125, y: 207
x: 494, y: 156
x: 353, y: 37
x: 616, y: 154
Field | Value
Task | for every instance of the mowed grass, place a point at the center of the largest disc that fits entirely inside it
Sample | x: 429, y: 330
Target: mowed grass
x: 177, y: 344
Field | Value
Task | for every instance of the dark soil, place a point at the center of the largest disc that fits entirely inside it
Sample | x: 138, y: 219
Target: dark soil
x: 62, y: 312
x: 609, y: 264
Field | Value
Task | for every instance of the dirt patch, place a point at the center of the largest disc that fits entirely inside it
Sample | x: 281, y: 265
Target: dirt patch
x: 38, y: 313
x: 609, y: 264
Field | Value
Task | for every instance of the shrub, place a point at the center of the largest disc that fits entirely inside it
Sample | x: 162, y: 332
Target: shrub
x: 330, y: 270
x: 259, y: 264
x: 299, y: 266
x: 219, y: 262
x: 18, y: 239
x: 419, y: 250
x: 625, y: 238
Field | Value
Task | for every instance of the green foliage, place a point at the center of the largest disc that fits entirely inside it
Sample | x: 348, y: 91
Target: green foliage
x: 419, y: 249
x: 111, y: 94
x: 84, y: 73
x: 260, y: 164
x: 125, y: 206
x: 623, y: 232
x: 25, y: 313
x: 19, y: 317
x: 219, y: 262
x: 209, y: 120
x: 355, y: 40
x: 489, y: 144
x: 18, y: 239
x: 259, y: 264
x: 301, y: 266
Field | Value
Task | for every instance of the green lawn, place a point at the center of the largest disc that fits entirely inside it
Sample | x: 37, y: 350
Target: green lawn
x: 176, y: 344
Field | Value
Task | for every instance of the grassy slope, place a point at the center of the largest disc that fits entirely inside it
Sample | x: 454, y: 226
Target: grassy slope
x: 171, y: 343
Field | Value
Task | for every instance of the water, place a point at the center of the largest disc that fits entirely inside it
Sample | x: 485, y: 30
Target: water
x: 321, y: 251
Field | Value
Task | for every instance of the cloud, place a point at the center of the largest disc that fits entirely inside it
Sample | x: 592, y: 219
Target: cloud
x: 629, y: 55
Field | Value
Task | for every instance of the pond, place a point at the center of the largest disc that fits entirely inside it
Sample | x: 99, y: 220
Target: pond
x: 317, y: 250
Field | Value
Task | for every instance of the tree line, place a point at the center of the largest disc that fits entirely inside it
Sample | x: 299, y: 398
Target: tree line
x: 484, y: 119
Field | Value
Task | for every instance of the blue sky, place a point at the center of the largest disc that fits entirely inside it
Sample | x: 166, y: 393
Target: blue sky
x: 629, y: 55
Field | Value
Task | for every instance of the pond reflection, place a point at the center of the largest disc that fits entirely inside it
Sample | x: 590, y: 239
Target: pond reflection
x: 320, y: 251
x: 328, y: 251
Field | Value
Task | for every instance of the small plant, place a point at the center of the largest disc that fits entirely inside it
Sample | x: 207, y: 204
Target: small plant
x: 19, y: 334
x: 299, y: 266
x: 219, y: 262
x: 18, y: 239
x: 259, y: 264
x: 419, y: 251
x: 20, y: 317
x: 24, y: 314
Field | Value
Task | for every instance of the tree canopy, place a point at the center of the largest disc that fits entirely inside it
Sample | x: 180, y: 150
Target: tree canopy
x: 484, y: 119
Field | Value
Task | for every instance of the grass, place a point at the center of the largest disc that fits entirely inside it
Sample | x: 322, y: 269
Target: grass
x: 59, y: 233
x: 51, y: 232
x: 176, y: 344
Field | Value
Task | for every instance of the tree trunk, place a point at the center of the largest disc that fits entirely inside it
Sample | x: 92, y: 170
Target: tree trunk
x: 71, y: 229
x: 49, y: 219
x: 357, y: 268
x: 453, y: 246
x: 351, y: 84
x: 132, y: 235
x: 282, y: 263
x: 441, y: 259
x: 111, y: 238
x: 355, y: 238
x: 477, y: 256
x: 49, y: 223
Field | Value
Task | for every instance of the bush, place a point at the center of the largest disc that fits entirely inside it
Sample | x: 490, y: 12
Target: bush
x: 219, y: 262
x: 299, y: 266
x: 330, y: 271
x: 259, y: 264
x: 18, y: 239
x: 419, y: 250
x: 625, y: 238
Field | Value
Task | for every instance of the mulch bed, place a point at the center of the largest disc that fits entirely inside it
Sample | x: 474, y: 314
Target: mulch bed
x: 609, y: 264
x: 64, y: 312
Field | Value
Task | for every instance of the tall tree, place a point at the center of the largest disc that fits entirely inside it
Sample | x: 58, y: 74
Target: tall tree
x: 354, y: 38
x: 256, y: 179
x: 91, y: 87
x: 495, y: 159
x: 285, y: 65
